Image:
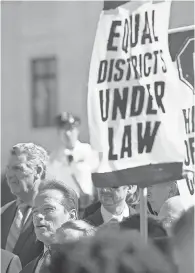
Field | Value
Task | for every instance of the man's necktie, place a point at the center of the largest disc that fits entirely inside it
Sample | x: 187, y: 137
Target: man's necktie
x: 44, y: 262
x: 16, y: 226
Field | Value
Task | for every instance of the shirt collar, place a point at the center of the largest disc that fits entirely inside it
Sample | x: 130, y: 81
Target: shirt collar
x: 46, y: 248
x: 107, y: 216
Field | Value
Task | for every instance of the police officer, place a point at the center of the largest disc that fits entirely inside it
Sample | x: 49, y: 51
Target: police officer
x: 74, y: 161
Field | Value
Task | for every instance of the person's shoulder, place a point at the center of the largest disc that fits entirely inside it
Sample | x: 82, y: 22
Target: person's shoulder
x: 10, y: 262
x: 91, y: 209
x: 95, y: 219
x: 6, y: 206
x: 6, y: 254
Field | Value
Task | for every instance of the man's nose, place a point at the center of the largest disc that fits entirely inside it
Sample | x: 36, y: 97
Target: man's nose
x: 38, y: 216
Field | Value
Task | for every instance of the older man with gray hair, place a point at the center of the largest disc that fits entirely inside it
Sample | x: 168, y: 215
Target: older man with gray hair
x: 25, y: 170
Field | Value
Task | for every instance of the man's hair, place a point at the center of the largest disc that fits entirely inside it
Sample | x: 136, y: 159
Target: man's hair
x: 36, y: 155
x: 155, y: 226
x: 70, y: 200
x: 80, y: 225
x: 184, y: 225
x: 171, y: 210
x: 109, y: 252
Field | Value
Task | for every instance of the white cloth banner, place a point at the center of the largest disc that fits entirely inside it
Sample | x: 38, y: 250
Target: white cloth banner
x: 134, y: 102
x: 185, y: 66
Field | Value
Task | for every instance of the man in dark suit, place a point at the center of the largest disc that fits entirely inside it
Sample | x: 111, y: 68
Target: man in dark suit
x: 10, y: 263
x: 54, y: 205
x: 113, y: 205
x: 91, y: 209
x: 26, y: 170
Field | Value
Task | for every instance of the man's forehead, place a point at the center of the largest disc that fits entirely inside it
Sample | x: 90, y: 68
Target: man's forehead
x: 17, y: 159
x: 49, y: 195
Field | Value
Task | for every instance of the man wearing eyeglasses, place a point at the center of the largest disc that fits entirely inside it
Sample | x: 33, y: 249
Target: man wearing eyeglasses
x: 113, y: 206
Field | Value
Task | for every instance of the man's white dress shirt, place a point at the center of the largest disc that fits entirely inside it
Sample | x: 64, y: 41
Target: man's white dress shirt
x: 107, y: 216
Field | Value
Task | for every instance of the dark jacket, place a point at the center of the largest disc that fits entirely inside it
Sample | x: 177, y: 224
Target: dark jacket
x: 91, y: 209
x: 10, y: 263
x: 27, y: 247
x: 96, y: 218
x: 31, y: 267
x: 6, y: 195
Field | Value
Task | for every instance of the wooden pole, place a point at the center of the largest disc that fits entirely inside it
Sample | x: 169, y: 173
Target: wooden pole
x: 181, y: 29
x: 143, y: 214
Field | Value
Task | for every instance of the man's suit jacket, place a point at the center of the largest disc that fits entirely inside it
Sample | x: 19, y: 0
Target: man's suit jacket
x: 96, y: 218
x: 27, y: 246
x: 10, y: 263
x: 31, y: 267
x: 91, y: 209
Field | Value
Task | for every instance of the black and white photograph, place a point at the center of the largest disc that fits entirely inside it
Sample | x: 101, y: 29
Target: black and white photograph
x: 97, y: 136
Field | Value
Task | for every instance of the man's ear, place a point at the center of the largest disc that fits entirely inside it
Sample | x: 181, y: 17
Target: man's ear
x: 173, y: 189
x: 132, y: 189
x: 73, y: 214
x: 39, y: 172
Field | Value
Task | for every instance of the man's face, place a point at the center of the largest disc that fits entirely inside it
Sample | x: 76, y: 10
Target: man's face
x: 20, y: 175
x: 112, y: 196
x: 69, y: 136
x: 158, y: 194
x: 48, y: 215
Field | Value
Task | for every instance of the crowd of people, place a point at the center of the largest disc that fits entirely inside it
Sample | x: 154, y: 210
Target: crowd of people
x: 60, y: 223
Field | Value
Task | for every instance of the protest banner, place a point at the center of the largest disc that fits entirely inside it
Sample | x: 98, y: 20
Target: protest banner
x: 182, y: 49
x: 134, y: 99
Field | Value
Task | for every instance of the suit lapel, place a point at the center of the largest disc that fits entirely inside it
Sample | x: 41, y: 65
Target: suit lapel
x: 97, y: 218
x: 25, y: 233
x: 36, y: 262
x: 34, y: 265
x: 31, y: 267
x: 7, y: 218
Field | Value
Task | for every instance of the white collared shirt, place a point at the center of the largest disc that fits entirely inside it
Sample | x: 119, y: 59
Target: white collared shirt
x: 107, y: 216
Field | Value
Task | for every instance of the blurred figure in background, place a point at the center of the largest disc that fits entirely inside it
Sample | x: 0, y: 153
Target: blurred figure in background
x: 113, y: 205
x: 183, y: 242
x: 171, y: 211
x: 156, y: 232
x: 155, y: 227
x: 109, y: 252
x: 158, y: 194
x: 74, y: 161
x: 25, y: 172
x: 73, y: 230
